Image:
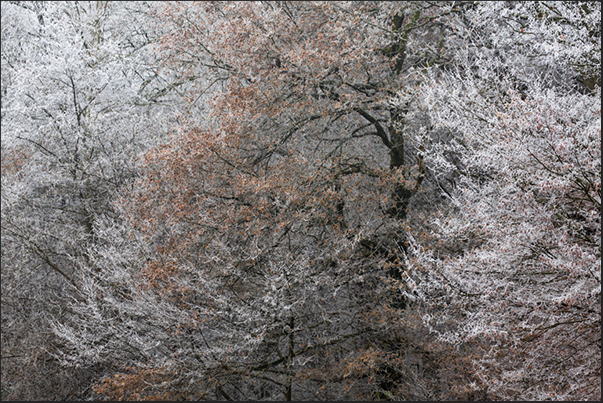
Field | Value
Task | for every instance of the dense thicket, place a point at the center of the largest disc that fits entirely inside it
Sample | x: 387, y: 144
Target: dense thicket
x: 301, y: 200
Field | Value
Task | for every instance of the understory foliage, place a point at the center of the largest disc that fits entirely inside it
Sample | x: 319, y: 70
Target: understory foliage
x: 302, y: 200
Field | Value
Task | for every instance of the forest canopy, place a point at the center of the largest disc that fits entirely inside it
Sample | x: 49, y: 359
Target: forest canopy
x: 301, y: 200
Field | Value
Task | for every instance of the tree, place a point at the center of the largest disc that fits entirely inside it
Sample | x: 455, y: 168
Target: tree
x: 277, y: 211
x: 75, y: 84
x: 355, y: 200
x: 518, y: 263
